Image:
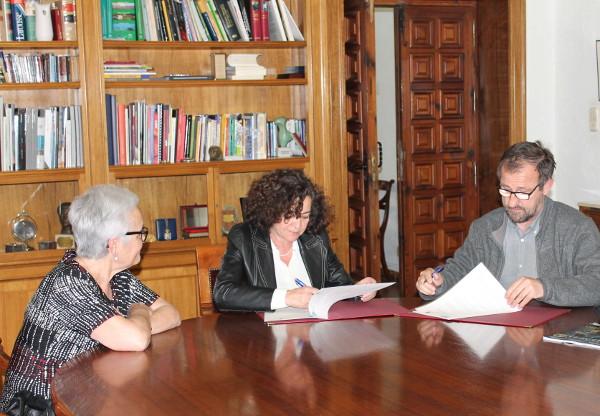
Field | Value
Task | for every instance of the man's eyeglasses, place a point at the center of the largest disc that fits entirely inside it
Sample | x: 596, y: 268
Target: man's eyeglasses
x: 523, y: 196
x: 143, y: 233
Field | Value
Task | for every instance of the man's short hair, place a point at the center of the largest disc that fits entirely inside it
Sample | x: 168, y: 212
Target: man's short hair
x: 528, y: 152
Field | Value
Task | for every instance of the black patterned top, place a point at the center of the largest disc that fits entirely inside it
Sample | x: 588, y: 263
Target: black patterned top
x: 67, y: 306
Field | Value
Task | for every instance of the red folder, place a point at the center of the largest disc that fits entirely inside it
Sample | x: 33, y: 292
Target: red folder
x: 349, y: 309
x: 529, y: 317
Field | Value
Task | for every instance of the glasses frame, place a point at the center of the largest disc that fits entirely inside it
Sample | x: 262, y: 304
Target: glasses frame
x: 522, y: 196
x: 143, y: 233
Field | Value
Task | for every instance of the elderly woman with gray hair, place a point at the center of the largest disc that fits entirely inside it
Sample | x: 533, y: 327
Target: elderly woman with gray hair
x: 89, y: 298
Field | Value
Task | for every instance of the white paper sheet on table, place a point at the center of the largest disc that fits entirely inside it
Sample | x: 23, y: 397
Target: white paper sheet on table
x: 478, y: 293
x: 321, y: 301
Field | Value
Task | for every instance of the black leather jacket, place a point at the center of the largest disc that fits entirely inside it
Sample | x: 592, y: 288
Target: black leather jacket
x: 247, y: 281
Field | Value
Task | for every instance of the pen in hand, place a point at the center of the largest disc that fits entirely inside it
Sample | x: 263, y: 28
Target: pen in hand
x: 299, y: 282
x: 437, y: 270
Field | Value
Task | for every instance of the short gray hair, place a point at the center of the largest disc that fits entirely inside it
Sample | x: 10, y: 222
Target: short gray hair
x: 98, y: 215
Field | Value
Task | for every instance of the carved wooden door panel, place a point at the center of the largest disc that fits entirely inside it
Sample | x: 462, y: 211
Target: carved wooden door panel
x: 439, y: 133
x: 363, y: 202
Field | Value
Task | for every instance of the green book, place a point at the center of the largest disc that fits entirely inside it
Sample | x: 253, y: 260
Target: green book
x: 139, y: 21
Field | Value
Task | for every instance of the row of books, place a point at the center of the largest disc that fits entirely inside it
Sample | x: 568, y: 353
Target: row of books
x: 18, y: 19
x: 40, y: 138
x: 127, y: 70
x: 38, y: 67
x: 146, y: 134
x: 198, y: 20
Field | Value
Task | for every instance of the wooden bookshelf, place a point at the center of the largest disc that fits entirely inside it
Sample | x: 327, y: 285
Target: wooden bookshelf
x: 170, y: 266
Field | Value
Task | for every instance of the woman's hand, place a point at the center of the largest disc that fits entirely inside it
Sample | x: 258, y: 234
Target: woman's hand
x: 367, y: 296
x: 299, y: 298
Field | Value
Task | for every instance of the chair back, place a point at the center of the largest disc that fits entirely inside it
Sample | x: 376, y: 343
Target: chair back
x: 384, y: 205
x: 208, y: 263
x: 4, y: 359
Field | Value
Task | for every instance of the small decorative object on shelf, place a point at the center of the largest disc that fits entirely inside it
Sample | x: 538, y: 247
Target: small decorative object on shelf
x: 63, y: 215
x: 43, y: 22
x: 64, y: 241
x: 14, y: 247
x: 166, y: 229
x: 47, y: 245
x: 229, y: 218
x: 24, y: 229
x: 194, y: 221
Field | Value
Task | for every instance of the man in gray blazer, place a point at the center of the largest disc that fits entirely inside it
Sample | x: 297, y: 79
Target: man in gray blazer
x: 536, y: 247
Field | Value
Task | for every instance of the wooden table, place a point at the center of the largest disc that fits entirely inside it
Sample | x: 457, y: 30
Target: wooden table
x: 233, y: 364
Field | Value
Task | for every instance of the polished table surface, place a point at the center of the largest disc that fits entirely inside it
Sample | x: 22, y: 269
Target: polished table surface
x: 234, y: 364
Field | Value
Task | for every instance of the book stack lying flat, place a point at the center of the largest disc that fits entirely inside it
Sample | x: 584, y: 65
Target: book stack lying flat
x: 244, y: 66
x: 123, y: 70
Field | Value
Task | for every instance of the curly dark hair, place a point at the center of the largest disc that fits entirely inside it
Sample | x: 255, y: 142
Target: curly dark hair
x: 281, y: 193
x: 528, y: 152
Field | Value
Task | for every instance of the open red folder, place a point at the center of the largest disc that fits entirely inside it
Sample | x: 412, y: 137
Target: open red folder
x: 350, y: 309
x: 530, y: 316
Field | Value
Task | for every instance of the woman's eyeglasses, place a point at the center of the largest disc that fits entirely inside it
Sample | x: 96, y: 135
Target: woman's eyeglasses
x: 143, y: 233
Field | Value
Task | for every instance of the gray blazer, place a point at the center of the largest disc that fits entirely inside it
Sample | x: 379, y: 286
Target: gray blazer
x: 568, y: 254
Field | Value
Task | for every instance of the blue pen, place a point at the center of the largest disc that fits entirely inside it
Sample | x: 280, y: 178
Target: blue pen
x: 299, y: 282
x: 438, y: 269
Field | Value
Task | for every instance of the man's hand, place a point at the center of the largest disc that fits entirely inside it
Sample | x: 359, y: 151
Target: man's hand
x: 429, y: 281
x: 523, y: 290
x: 299, y: 298
x: 366, y: 281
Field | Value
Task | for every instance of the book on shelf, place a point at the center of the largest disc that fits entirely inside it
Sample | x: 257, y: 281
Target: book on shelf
x: 38, y: 67
x: 18, y: 19
x: 255, y: 19
x: 276, y: 30
x: 238, y: 19
x: 264, y: 19
x: 40, y: 138
x: 30, y: 20
x: 216, y: 18
x: 6, y: 20
x: 227, y: 20
x: 69, y: 19
x: 57, y: 23
x: 292, y: 31
x: 142, y: 133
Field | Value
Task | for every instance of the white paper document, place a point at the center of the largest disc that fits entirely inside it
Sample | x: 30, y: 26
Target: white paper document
x: 478, y: 293
x: 320, y: 302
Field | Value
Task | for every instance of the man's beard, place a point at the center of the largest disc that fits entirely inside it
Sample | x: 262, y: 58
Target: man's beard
x: 519, y: 215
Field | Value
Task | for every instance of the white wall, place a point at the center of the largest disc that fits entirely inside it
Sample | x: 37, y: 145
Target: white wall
x: 386, y: 121
x: 562, y: 85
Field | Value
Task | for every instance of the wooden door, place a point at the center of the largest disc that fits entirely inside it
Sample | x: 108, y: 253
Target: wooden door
x: 363, y: 202
x: 439, y: 133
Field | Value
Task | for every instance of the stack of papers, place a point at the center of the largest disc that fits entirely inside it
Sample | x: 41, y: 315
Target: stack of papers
x: 478, y: 293
x: 321, y: 302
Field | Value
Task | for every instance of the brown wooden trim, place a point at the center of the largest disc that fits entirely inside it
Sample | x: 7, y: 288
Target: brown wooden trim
x: 516, y: 70
x: 389, y: 3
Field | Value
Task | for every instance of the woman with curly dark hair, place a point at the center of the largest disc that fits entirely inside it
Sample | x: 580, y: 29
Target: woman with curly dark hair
x: 280, y: 256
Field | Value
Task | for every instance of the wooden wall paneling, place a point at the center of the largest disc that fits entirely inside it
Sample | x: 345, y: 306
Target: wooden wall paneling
x: 517, y: 67
x: 326, y: 86
x: 90, y: 41
x: 494, y: 96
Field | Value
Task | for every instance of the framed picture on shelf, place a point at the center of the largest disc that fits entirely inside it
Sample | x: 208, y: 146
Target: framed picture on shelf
x: 194, y: 221
x: 166, y: 229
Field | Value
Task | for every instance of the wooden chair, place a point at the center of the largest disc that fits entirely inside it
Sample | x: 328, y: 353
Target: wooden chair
x: 208, y: 262
x: 4, y: 359
x: 384, y: 205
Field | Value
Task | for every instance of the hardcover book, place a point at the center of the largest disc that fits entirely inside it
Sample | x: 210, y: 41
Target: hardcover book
x: 587, y: 336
